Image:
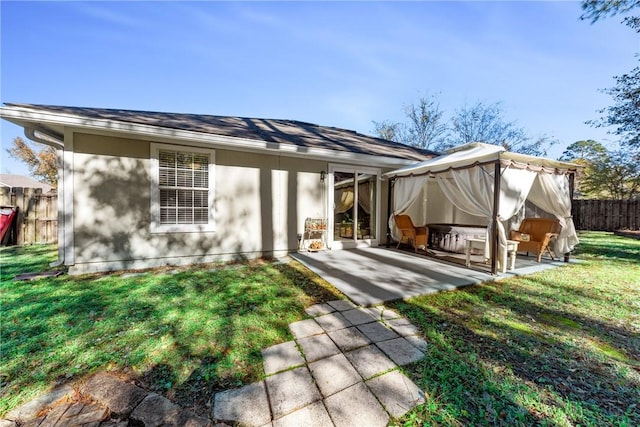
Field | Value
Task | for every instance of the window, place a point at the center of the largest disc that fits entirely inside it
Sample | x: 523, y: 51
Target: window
x: 181, y: 189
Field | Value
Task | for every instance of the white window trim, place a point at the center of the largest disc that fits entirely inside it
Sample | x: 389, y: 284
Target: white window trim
x: 156, y: 227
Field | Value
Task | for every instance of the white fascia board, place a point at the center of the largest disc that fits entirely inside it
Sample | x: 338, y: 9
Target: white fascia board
x: 20, y: 115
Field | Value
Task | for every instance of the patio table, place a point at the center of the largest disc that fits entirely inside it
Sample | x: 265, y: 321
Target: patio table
x: 479, y: 243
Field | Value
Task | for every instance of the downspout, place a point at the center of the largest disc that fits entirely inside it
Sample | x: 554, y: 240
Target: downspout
x: 56, y: 142
x: 496, y: 218
x: 389, y: 213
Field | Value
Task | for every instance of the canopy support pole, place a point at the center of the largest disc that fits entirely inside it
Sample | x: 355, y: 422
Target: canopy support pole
x: 572, y: 177
x: 494, y: 224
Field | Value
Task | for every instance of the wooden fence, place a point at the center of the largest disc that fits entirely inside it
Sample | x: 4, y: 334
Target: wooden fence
x: 37, y: 219
x: 606, y: 215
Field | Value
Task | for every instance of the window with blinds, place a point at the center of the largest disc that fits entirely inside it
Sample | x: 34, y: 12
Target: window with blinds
x: 182, y: 196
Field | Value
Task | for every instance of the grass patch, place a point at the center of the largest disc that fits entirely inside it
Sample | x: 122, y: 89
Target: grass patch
x: 559, y: 347
x: 184, y: 335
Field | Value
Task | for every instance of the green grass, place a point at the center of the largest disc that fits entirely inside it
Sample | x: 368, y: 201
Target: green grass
x: 558, y: 348
x: 185, y: 335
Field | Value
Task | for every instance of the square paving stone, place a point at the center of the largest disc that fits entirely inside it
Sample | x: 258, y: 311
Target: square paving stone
x: 358, y: 316
x: 349, y: 339
x: 319, y: 310
x: 334, y: 374
x: 376, y: 331
x: 281, y: 357
x: 380, y: 312
x: 247, y: 405
x: 402, y: 326
x: 342, y: 304
x: 291, y: 390
x: 356, y: 406
x: 370, y: 361
x: 314, y: 415
x: 332, y: 322
x: 305, y: 328
x: 417, y: 342
x: 401, y: 351
x: 318, y: 347
x: 397, y: 393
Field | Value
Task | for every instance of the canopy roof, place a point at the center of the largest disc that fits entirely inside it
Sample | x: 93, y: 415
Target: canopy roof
x: 477, y: 153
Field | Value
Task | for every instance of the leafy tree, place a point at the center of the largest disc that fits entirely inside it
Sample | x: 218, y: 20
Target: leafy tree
x: 615, y: 176
x: 593, y: 10
x: 425, y: 128
x: 584, y: 153
x: 624, y: 115
x: 486, y: 123
x: 605, y: 174
x: 42, y: 163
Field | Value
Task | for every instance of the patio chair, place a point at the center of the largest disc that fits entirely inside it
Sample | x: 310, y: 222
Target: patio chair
x: 414, y: 235
x: 535, y: 234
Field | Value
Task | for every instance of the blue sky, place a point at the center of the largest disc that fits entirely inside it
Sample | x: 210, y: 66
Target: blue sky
x: 340, y: 64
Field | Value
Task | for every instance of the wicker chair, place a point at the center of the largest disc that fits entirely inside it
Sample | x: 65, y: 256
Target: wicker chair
x: 417, y: 236
x: 540, y: 232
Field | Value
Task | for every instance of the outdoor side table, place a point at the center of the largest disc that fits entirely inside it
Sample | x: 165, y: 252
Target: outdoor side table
x: 479, y: 243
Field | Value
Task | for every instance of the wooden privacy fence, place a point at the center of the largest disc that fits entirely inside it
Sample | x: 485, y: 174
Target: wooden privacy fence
x: 37, y: 219
x: 606, y: 215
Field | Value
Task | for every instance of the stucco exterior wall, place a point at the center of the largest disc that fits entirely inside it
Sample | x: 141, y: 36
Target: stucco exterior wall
x: 260, y: 205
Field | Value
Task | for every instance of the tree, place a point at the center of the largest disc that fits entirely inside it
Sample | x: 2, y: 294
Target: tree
x: 624, y: 115
x: 486, y: 123
x: 42, y: 163
x: 615, y: 176
x: 425, y: 128
x: 584, y: 153
x: 605, y: 174
x: 593, y: 10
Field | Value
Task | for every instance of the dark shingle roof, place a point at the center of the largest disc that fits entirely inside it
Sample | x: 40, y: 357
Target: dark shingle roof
x: 269, y: 130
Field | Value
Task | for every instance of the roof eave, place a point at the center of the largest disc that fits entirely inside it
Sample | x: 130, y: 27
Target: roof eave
x: 25, y: 116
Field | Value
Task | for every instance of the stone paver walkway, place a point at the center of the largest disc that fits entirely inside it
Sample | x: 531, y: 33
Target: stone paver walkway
x: 341, y: 369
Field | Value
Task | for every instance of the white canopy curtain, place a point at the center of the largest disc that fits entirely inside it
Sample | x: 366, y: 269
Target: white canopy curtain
x: 552, y: 193
x: 405, y: 192
x: 364, y: 196
x: 343, y: 199
x: 465, y: 176
x: 472, y: 190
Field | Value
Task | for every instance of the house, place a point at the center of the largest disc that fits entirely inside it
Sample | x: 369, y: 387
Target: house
x: 21, y: 181
x: 142, y: 189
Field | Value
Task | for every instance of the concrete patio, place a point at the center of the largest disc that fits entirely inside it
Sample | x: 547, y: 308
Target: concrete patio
x: 370, y: 276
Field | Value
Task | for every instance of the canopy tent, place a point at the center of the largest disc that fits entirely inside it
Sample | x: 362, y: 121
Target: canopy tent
x: 490, y: 183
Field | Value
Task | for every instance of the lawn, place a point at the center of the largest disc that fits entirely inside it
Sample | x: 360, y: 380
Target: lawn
x: 184, y: 334
x: 557, y: 348
x: 560, y: 347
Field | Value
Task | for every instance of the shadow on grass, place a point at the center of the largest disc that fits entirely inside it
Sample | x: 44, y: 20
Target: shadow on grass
x: 16, y: 260
x: 177, y: 334
x: 608, y: 245
x: 496, y: 357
